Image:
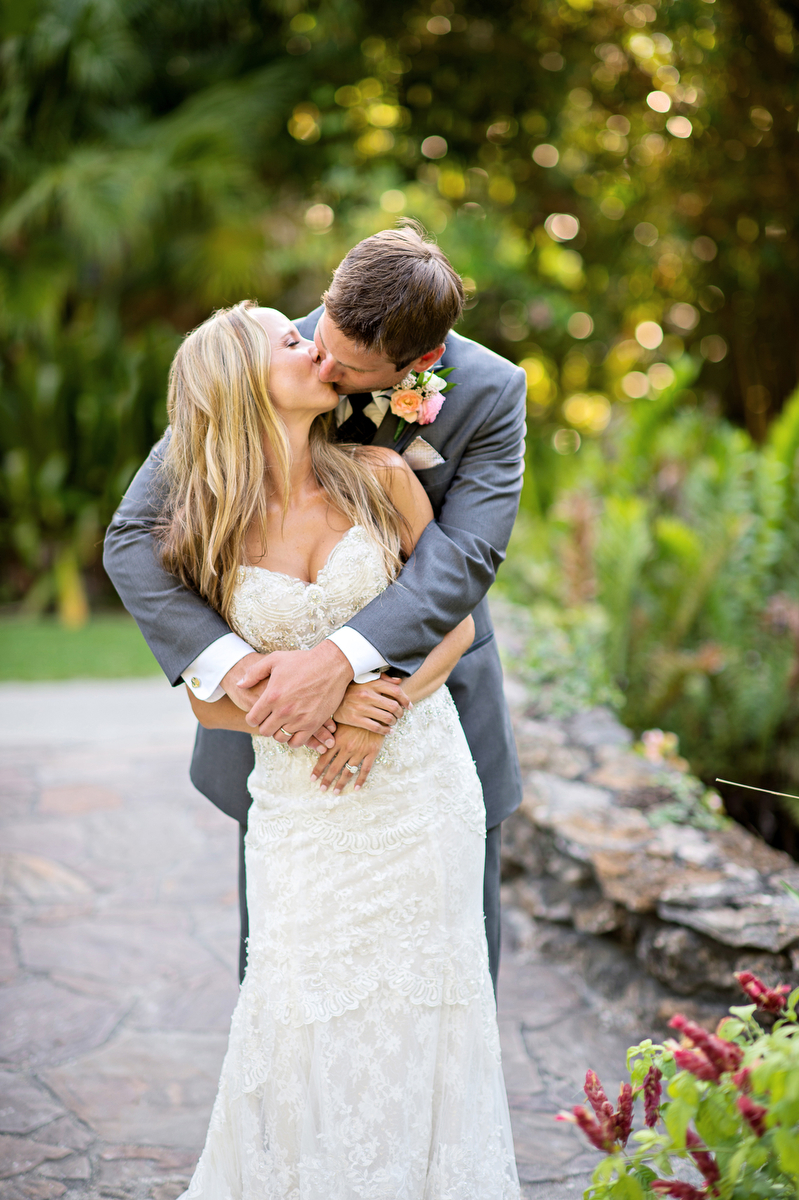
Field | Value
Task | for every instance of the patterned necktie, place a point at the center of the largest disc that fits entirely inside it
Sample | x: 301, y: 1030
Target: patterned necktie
x: 358, y: 427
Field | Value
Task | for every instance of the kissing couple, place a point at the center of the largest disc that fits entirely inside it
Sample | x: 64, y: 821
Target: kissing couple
x: 309, y: 549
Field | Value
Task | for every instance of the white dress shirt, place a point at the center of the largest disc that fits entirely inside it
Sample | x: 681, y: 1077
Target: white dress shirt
x: 204, y: 675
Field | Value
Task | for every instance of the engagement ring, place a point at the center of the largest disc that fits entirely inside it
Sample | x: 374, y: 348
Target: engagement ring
x: 352, y: 770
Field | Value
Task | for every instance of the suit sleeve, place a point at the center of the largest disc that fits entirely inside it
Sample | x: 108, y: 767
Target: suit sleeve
x: 458, y: 555
x: 177, y: 623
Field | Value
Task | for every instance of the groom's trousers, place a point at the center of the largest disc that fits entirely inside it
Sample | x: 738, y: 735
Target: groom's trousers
x: 490, y: 901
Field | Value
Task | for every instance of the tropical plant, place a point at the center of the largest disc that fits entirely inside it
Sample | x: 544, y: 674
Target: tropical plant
x: 594, y: 169
x: 685, y: 534
x: 731, y: 1110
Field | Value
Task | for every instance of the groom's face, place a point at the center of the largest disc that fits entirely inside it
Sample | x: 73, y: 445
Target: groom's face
x: 348, y: 366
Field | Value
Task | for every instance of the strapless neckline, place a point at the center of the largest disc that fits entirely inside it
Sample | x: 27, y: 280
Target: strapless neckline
x: 306, y: 583
x: 275, y: 611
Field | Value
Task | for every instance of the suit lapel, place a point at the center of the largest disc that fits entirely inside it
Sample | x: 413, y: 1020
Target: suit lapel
x: 384, y: 435
x: 405, y: 438
x: 387, y: 431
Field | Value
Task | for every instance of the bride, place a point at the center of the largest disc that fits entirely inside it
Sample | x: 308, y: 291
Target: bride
x: 363, y: 1059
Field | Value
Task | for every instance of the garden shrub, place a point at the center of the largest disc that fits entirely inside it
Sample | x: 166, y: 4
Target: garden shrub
x: 727, y: 1103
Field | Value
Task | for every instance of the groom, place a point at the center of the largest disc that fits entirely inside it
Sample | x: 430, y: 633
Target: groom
x: 390, y: 309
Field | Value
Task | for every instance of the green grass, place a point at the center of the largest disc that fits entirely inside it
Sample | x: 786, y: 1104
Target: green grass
x: 109, y: 646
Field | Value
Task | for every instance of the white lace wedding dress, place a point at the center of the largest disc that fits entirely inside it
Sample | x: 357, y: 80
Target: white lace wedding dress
x: 363, y: 1059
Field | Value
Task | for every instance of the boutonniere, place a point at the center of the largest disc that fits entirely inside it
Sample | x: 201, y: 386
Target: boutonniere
x: 419, y: 397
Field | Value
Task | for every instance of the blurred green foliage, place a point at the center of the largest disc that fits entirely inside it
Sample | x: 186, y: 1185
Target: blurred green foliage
x: 680, y: 540
x: 109, y: 646
x: 590, y: 165
x: 617, y: 182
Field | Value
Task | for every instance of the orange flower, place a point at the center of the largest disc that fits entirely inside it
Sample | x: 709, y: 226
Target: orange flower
x: 406, y: 404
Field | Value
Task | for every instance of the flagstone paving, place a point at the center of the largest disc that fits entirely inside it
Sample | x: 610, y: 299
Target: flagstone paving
x: 118, y: 945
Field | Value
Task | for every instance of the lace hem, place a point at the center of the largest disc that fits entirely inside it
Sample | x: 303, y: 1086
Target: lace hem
x: 306, y: 1001
x: 265, y: 830
x: 394, y: 1102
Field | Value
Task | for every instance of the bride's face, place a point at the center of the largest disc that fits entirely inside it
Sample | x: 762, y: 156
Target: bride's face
x: 294, y: 383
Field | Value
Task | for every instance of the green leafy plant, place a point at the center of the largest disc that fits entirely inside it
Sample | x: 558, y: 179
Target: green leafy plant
x: 725, y: 1103
x: 162, y: 160
x: 684, y: 535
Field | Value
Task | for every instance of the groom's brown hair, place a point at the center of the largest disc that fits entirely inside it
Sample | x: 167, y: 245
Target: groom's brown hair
x: 396, y: 294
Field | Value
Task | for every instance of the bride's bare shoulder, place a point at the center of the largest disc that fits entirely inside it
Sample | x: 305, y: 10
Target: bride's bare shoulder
x: 382, y: 459
x: 392, y: 471
x: 405, y: 490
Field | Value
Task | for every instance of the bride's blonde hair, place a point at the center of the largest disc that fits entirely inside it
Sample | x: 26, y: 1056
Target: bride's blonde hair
x: 217, y: 478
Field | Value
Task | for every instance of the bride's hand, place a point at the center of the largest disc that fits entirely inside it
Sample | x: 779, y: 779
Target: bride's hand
x: 376, y: 705
x: 356, y: 747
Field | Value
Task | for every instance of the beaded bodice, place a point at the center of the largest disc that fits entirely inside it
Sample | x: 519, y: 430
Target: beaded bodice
x: 273, y: 611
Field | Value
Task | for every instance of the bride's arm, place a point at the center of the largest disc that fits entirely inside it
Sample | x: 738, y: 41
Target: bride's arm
x: 440, y: 662
x: 224, y: 714
x: 412, y: 501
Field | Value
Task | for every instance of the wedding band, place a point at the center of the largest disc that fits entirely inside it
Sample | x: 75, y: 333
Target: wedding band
x: 352, y: 770
x: 282, y: 730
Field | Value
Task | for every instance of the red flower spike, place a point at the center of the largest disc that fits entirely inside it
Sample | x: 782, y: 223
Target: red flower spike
x: 727, y: 1056
x: 652, y: 1093
x: 600, y: 1134
x: 698, y: 1064
x: 597, y: 1096
x: 623, y: 1117
x: 771, y: 1000
x: 753, y: 1114
x: 682, y: 1191
x: 702, y: 1157
x: 741, y: 1079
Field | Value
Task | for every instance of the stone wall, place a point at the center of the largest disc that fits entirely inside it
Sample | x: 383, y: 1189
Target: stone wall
x: 614, y: 844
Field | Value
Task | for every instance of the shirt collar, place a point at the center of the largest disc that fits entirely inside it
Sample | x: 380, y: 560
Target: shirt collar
x: 376, y: 411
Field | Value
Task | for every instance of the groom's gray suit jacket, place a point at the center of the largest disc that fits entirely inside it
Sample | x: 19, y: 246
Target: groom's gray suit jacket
x: 475, y: 496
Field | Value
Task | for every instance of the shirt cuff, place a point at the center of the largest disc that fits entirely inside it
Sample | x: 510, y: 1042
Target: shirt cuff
x: 204, y: 674
x: 366, y: 662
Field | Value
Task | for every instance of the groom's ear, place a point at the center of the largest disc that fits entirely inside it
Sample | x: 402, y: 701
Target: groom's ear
x: 428, y: 360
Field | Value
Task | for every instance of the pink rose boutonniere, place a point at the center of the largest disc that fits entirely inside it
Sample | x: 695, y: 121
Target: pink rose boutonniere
x: 418, y: 399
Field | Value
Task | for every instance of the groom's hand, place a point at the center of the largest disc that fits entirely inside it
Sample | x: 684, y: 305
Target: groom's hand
x: 258, y: 667
x: 244, y: 697
x: 301, y: 688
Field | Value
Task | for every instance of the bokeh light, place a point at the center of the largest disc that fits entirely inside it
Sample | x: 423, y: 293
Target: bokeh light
x: 659, y: 101
x: 713, y: 348
x: 649, y: 335
x: 683, y: 316
x: 541, y: 388
x: 562, y: 227
x: 704, y: 248
x: 679, y: 127
x: 319, y: 217
x: 580, y: 325
x: 393, y: 201
x: 747, y: 229
x: 304, y: 123
x: 646, y: 233
x: 661, y: 376
x: 434, y: 147
x: 635, y: 385
x: 545, y: 155
x: 566, y: 441
x: 612, y: 208
x: 589, y: 412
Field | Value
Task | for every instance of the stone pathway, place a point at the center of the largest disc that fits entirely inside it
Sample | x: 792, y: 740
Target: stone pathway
x: 118, y: 932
